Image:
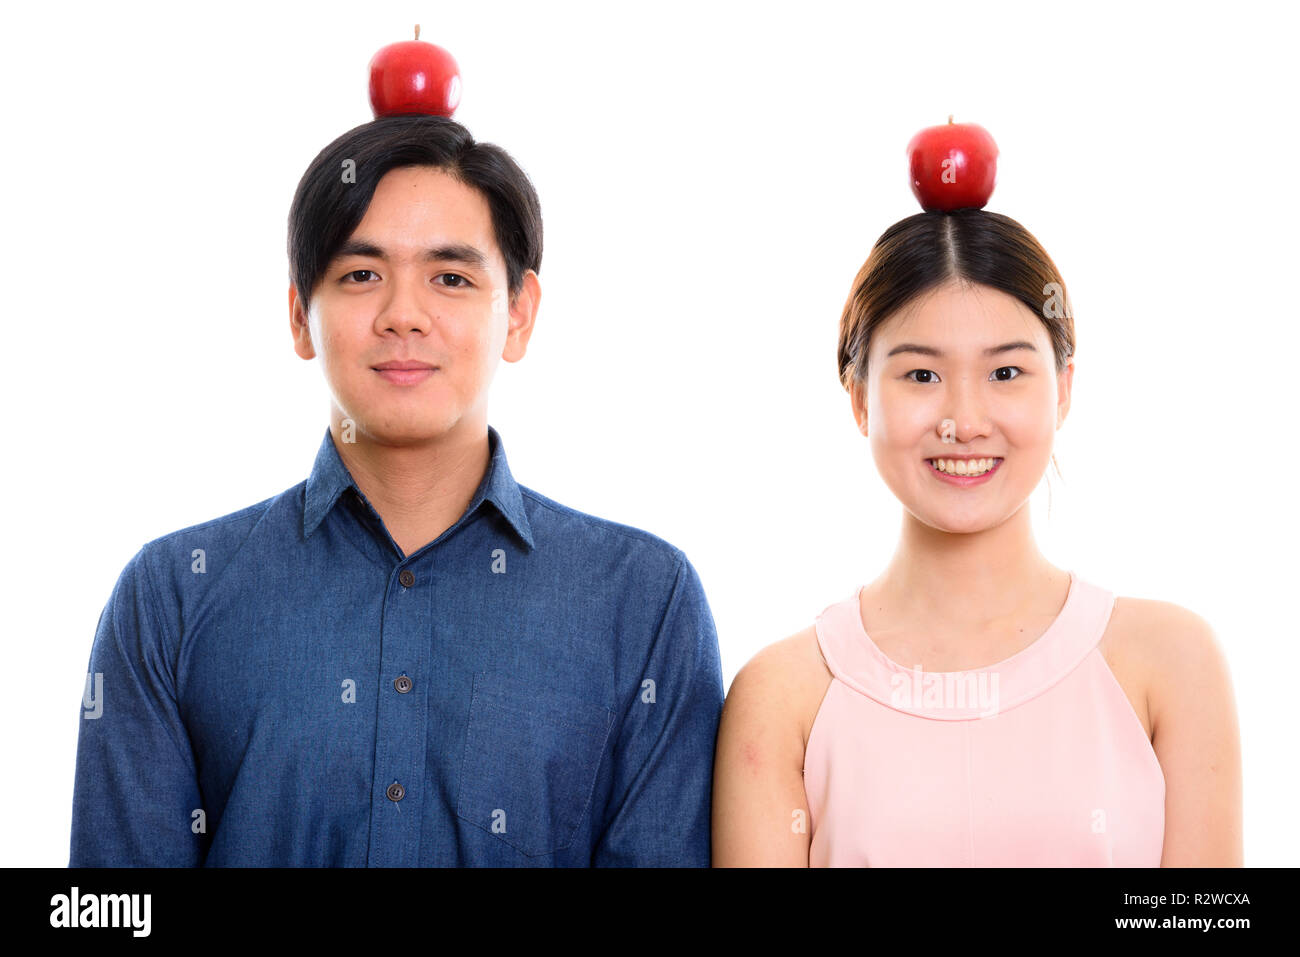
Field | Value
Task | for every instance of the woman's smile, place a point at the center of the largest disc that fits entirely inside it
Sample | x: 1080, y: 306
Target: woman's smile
x: 963, y: 472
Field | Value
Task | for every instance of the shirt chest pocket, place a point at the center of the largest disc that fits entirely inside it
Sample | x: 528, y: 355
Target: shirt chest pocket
x: 530, y: 763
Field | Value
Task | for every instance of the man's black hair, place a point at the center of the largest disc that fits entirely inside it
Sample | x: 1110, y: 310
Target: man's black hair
x: 327, y: 207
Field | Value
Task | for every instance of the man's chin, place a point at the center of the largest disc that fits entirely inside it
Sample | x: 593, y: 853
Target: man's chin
x: 405, y: 431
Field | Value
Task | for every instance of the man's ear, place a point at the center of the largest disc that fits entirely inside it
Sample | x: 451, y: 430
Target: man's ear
x: 523, y: 315
x: 858, y: 400
x: 299, y: 325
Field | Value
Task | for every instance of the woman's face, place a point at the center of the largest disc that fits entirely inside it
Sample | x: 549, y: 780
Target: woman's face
x: 940, y: 359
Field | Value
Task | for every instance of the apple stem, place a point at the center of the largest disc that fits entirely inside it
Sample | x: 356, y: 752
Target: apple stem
x: 417, y: 36
x: 949, y: 115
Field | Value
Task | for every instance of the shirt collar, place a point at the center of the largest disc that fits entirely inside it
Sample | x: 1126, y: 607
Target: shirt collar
x: 330, y: 478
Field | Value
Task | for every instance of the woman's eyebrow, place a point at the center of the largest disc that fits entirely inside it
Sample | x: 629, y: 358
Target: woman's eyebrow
x: 938, y: 354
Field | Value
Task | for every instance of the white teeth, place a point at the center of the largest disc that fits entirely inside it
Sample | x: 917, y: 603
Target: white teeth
x: 963, y: 467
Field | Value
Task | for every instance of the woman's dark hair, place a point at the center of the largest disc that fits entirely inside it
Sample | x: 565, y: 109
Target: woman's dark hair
x: 927, y: 250
x: 329, y: 203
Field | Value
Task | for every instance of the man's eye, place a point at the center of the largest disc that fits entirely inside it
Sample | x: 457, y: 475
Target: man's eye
x: 358, y: 272
x: 460, y: 282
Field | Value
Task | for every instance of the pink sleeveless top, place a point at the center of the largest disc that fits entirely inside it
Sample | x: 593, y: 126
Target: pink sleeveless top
x: 1038, y: 760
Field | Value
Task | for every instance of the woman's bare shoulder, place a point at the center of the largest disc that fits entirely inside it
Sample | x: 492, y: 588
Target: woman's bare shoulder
x: 786, y: 680
x: 1159, y: 632
x: 1174, y: 648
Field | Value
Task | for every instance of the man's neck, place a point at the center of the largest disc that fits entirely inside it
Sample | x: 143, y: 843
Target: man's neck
x: 419, y: 489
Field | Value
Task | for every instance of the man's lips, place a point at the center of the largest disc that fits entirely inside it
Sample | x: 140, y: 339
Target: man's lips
x: 405, y: 372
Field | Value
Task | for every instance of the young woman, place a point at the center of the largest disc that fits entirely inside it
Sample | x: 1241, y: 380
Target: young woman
x: 975, y: 705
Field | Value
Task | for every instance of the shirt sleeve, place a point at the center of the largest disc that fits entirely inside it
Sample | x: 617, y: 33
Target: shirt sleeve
x: 663, y: 760
x: 136, y: 789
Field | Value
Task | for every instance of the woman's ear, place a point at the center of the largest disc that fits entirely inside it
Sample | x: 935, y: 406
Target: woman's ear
x: 858, y: 400
x: 1064, y: 385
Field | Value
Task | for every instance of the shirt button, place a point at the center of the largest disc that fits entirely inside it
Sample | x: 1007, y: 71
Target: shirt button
x: 402, y: 684
x: 396, y: 792
x: 406, y: 578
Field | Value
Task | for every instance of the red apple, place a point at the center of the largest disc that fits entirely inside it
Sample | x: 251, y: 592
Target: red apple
x: 954, y: 166
x: 414, y: 76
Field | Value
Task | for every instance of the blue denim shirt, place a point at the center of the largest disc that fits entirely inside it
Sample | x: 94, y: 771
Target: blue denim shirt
x: 281, y: 686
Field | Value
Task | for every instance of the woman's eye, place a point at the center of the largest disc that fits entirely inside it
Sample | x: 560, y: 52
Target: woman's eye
x: 357, y: 272
x: 1019, y: 371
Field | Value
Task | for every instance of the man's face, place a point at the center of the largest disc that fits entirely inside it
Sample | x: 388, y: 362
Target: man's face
x: 421, y: 278
x: 1005, y: 405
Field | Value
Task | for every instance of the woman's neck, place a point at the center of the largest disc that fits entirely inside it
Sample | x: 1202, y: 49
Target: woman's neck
x: 969, y: 580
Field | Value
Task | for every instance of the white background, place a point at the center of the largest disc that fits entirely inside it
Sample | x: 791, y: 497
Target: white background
x: 712, y: 175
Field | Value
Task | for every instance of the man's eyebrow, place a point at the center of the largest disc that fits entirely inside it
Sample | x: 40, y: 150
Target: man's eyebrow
x: 938, y: 354
x: 451, y: 253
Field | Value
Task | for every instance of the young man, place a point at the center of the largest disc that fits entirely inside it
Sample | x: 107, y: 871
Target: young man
x: 408, y: 659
